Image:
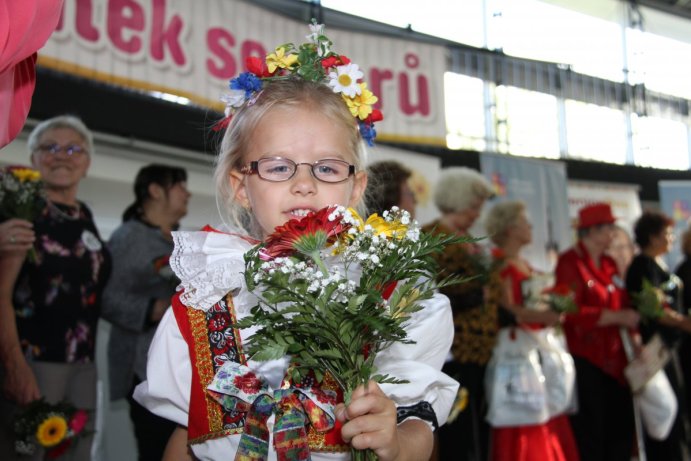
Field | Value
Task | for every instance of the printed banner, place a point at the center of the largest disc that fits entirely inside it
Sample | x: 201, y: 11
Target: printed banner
x: 192, y: 48
x: 541, y: 185
x: 623, y: 198
x: 675, y: 201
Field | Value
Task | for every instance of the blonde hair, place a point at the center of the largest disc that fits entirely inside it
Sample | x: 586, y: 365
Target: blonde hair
x: 501, y: 218
x: 459, y: 188
x: 291, y: 92
x: 61, y: 121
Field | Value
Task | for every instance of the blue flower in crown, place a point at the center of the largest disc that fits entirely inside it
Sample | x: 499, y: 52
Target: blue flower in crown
x: 313, y: 61
x: 248, y: 82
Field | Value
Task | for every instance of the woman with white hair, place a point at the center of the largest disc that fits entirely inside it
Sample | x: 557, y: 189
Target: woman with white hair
x: 50, y: 304
x: 460, y: 195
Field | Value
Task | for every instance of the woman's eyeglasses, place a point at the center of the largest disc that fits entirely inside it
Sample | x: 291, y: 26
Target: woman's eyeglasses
x: 54, y: 149
x: 278, y: 169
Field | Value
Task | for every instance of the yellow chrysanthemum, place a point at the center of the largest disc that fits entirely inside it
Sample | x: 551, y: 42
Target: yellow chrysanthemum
x: 381, y: 226
x: 361, y: 105
x: 280, y: 60
x: 51, y: 431
x: 26, y: 174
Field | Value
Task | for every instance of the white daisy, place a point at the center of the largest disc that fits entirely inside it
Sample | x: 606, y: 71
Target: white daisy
x: 344, y: 79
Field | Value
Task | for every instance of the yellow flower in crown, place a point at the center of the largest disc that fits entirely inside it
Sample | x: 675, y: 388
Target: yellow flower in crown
x: 51, y: 431
x: 26, y: 174
x: 361, y: 104
x: 279, y: 60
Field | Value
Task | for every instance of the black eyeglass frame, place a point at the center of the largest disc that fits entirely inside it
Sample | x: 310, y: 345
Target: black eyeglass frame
x: 253, y: 168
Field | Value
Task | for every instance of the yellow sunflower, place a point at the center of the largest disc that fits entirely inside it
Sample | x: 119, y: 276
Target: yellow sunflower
x: 51, y: 431
x: 26, y: 174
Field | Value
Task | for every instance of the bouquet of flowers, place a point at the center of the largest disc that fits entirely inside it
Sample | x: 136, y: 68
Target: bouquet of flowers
x: 650, y: 301
x: 335, y: 289
x: 560, y: 298
x: 21, y: 195
x: 53, y: 427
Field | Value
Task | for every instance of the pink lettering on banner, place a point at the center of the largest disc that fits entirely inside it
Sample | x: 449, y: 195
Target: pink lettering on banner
x: 376, y: 80
x: 125, y: 18
x: 251, y: 48
x: 84, y: 22
x: 423, y: 104
x: 166, y: 34
x: 220, y: 42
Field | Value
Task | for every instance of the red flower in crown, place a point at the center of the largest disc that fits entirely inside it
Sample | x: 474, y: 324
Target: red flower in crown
x: 304, y: 235
x: 334, y: 60
x: 248, y: 383
x: 257, y: 66
x: 374, y: 116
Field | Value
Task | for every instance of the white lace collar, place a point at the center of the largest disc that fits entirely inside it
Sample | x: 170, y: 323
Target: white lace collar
x: 209, y: 265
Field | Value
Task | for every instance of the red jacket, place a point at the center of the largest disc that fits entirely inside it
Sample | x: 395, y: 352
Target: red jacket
x: 595, y: 289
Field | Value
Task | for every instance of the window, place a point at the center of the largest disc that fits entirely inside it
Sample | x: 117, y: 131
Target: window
x: 595, y: 132
x: 660, y: 143
x: 465, y: 112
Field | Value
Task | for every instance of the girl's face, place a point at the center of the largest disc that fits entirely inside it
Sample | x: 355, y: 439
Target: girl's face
x: 302, y: 135
x: 61, y: 158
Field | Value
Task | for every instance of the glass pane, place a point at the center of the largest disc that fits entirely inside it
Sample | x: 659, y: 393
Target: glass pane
x: 661, y: 63
x: 466, y: 26
x: 536, y: 30
x: 660, y: 143
x: 527, y: 123
x: 465, y: 115
x: 595, y: 132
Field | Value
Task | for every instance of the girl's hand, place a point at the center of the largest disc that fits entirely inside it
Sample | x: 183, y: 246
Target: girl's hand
x: 370, y: 422
x: 16, y: 235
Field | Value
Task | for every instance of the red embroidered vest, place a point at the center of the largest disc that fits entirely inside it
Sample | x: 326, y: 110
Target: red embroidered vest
x: 212, y: 341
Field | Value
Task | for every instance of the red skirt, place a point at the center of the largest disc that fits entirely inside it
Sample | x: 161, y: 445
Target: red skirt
x: 552, y: 441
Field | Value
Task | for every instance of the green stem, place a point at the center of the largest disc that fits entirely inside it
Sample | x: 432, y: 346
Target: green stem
x: 318, y: 260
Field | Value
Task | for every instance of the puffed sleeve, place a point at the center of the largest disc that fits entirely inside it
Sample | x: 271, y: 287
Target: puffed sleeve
x: 166, y: 392
x: 429, y: 394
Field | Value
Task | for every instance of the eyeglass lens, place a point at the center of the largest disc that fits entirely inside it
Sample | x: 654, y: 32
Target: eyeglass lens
x: 54, y: 149
x: 282, y: 169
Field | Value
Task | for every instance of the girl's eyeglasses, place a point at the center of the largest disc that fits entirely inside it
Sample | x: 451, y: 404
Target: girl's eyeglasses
x: 278, y: 169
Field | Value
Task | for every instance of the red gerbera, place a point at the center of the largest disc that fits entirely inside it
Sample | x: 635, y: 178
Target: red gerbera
x: 306, y: 235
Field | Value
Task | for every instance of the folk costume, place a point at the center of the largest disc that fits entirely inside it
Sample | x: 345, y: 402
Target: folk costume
x: 200, y: 378
x: 550, y: 441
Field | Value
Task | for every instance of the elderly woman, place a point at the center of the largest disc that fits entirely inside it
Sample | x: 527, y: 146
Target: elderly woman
x: 683, y: 271
x: 510, y: 230
x: 460, y: 194
x: 604, y: 424
x: 654, y: 232
x: 49, y: 305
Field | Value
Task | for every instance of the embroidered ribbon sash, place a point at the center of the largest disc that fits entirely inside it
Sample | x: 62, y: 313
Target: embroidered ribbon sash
x: 238, y: 389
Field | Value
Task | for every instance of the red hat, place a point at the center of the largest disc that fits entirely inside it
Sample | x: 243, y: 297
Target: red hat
x: 595, y: 214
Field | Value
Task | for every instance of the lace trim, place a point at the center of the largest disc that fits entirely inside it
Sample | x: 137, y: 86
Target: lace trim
x: 421, y: 410
x: 209, y: 265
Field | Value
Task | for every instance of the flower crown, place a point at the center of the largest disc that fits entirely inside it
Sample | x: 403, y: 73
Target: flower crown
x: 313, y: 61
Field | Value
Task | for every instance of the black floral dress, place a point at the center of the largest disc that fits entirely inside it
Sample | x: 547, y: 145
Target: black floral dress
x: 57, y: 296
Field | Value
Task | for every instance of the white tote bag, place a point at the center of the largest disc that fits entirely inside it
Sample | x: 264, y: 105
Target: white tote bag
x: 559, y: 371
x: 514, y: 382
x: 658, y: 406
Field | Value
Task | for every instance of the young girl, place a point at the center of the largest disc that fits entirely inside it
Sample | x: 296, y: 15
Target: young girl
x: 292, y: 148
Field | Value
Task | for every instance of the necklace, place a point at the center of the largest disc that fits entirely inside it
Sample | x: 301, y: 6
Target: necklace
x: 64, y: 215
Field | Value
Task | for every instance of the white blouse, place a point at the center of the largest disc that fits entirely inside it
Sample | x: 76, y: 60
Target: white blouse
x: 210, y: 264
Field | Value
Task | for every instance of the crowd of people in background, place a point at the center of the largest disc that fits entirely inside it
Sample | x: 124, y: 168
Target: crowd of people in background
x: 50, y: 305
